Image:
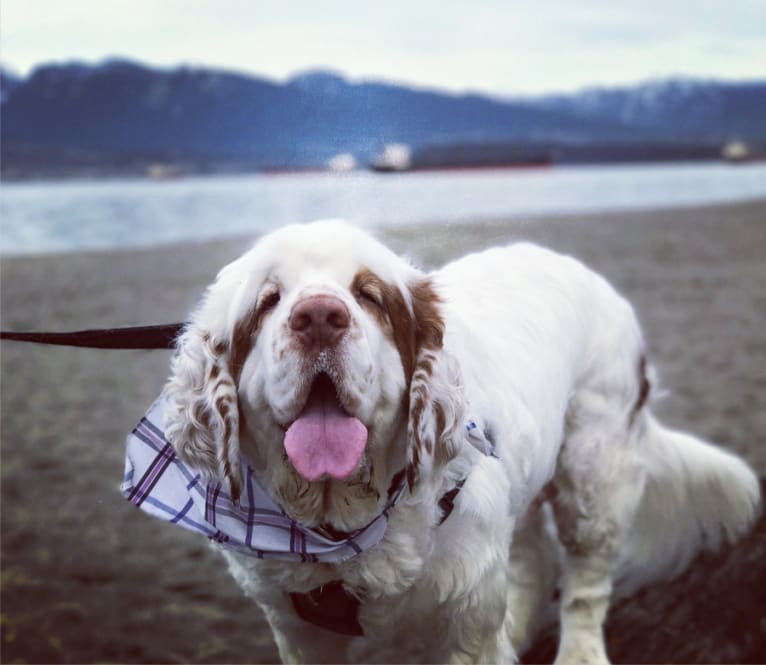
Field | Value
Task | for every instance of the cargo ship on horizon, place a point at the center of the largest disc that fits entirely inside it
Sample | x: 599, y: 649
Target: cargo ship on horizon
x: 399, y: 158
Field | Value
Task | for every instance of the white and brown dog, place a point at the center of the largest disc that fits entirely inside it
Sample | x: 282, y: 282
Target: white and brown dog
x: 335, y: 370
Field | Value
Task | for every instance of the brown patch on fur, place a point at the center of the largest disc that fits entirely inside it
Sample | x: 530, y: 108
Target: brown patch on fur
x: 228, y: 432
x: 390, y: 312
x: 418, y: 404
x: 243, y: 335
x: 223, y: 406
x: 428, y: 318
x: 417, y: 332
x: 415, y: 442
x: 429, y: 339
x: 223, y: 381
x: 223, y: 378
x: 226, y: 439
x: 368, y: 289
x: 425, y: 367
x: 643, y: 391
x: 242, y: 342
x: 412, y: 469
x: 410, y: 332
x: 549, y: 492
x: 216, y: 347
x: 403, y: 330
x: 200, y: 414
x: 441, y: 424
x: 234, y: 482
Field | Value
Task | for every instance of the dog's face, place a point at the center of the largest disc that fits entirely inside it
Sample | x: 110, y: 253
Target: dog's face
x: 316, y: 355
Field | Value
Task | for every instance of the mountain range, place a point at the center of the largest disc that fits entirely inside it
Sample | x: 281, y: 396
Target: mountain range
x: 120, y: 115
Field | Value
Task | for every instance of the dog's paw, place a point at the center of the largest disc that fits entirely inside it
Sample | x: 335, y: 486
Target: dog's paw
x: 582, y: 648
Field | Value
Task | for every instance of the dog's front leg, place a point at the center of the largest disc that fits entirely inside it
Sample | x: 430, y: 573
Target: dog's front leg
x: 480, y: 622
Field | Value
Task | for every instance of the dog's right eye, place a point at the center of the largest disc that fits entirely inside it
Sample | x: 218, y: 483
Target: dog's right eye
x: 269, y: 301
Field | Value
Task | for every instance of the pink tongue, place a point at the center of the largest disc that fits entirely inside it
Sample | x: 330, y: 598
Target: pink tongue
x: 324, y: 439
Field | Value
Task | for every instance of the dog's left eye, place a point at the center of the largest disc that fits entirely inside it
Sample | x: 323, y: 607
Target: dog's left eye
x: 366, y: 295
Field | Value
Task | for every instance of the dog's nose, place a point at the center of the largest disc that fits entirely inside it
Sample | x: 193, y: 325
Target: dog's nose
x: 320, y: 320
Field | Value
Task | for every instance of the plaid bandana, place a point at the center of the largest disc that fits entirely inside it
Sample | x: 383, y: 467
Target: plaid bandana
x: 159, y: 483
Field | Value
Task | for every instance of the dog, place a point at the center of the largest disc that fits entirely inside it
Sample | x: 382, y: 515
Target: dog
x: 402, y: 466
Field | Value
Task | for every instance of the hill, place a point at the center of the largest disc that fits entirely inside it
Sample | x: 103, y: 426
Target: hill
x: 121, y: 116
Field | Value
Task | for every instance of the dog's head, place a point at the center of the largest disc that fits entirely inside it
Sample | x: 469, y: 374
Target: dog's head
x: 318, y: 356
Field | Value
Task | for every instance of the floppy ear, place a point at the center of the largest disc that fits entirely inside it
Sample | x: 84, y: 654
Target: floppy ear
x: 436, y: 408
x: 202, y: 419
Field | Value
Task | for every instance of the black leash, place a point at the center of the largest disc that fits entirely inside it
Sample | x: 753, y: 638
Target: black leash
x: 137, y: 337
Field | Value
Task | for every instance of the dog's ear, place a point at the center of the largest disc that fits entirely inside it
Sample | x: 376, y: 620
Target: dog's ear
x: 436, y: 408
x: 202, y: 418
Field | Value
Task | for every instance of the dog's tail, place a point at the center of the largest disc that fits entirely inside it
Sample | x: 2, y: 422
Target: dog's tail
x: 696, y: 497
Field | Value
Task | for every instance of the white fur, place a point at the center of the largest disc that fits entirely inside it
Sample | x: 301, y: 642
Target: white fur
x: 587, y: 488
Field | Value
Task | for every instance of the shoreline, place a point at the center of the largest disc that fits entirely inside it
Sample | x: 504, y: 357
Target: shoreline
x: 396, y: 229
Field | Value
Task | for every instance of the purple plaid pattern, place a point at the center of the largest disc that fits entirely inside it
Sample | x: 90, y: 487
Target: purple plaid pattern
x: 169, y: 489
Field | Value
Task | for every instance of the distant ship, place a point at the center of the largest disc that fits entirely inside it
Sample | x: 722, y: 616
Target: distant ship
x: 736, y: 151
x: 397, y: 157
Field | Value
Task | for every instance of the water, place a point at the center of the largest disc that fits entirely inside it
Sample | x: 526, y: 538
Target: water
x: 65, y: 216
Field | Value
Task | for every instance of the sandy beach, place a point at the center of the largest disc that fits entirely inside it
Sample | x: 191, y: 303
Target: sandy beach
x: 88, y: 578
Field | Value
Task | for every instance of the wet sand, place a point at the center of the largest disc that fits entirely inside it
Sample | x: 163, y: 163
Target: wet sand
x: 87, y: 578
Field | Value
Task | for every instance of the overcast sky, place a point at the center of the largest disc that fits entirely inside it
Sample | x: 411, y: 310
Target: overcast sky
x: 503, y: 47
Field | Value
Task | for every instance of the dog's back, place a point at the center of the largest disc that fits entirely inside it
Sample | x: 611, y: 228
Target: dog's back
x: 543, y: 338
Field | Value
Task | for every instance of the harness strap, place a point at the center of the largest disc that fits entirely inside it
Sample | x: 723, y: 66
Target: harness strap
x: 447, y: 502
x: 137, y: 337
x: 330, y: 607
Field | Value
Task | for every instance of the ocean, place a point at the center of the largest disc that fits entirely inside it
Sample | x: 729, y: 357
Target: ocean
x: 45, y: 217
